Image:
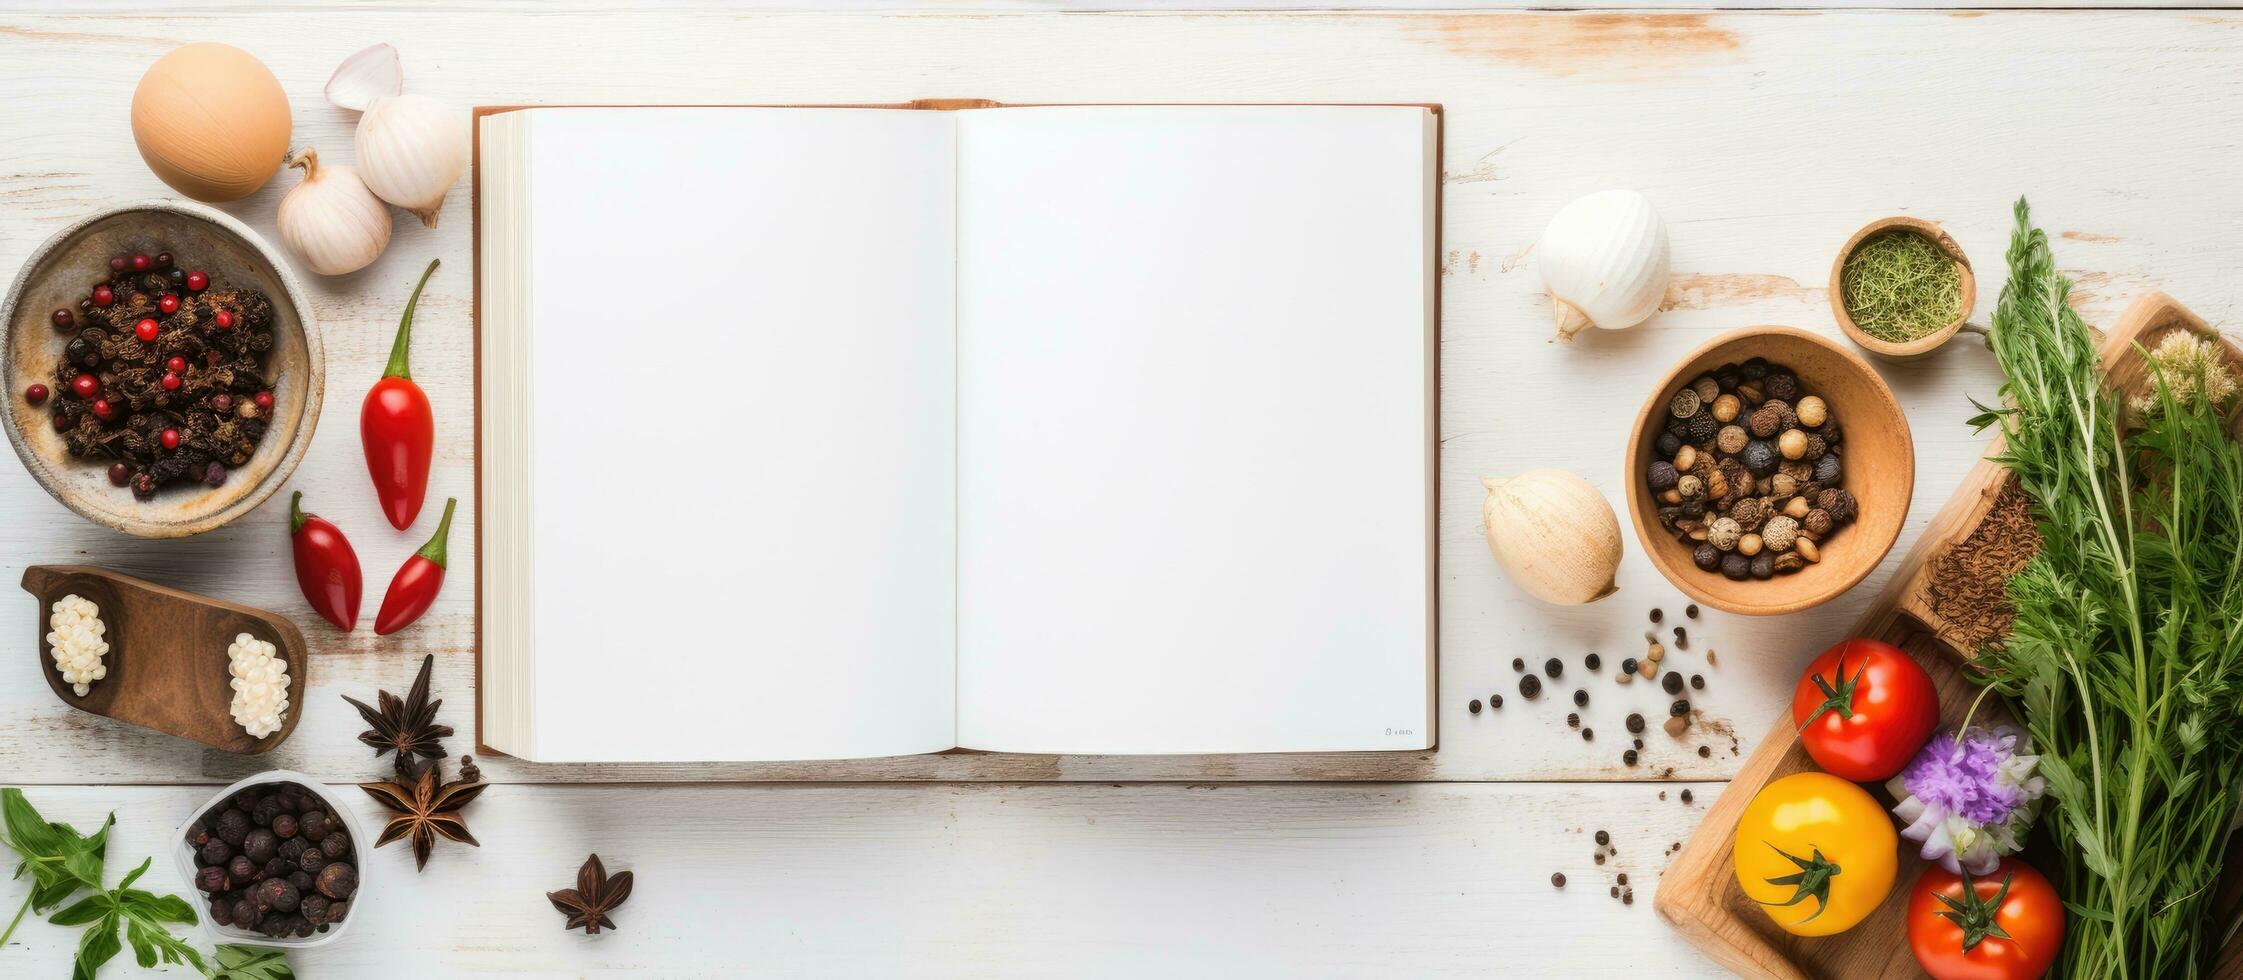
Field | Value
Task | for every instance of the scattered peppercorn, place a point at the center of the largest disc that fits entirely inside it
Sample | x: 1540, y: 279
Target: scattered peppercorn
x: 1530, y: 686
x: 1581, y: 699
x: 1573, y: 720
x: 1681, y: 638
x: 1592, y: 662
x: 1518, y: 664
x: 1474, y: 707
x: 1628, y: 665
x: 1588, y: 734
x: 1557, y: 878
x: 1705, y: 751
x: 1657, y: 614
x: 1691, y: 612
x: 1672, y: 683
x: 1685, y: 796
x: 1697, y: 682
x: 1635, y: 722
x: 1553, y: 667
x: 1495, y: 701
x: 1680, y: 707
x: 1628, y: 757
x: 1603, y: 838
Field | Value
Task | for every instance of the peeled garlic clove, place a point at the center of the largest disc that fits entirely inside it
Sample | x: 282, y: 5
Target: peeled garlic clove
x: 411, y: 149
x: 1603, y: 261
x: 1554, y: 534
x: 330, y: 219
x: 370, y: 74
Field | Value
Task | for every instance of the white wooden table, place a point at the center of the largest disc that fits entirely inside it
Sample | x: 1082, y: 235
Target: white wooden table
x: 1765, y: 139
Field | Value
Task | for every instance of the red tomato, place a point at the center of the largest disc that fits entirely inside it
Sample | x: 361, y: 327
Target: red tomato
x: 2009, y: 925
x: 1863, y: 709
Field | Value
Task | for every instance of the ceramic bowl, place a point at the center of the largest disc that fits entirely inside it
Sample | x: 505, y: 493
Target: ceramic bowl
x: 361, y: 845
x: 1907, y: 350
x: 1878, y: 455
x: 60, y: 273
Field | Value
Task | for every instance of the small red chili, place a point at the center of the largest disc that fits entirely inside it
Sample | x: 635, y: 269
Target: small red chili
x: 414, y: 588
x: 326, y: 565
x: 398, y: 428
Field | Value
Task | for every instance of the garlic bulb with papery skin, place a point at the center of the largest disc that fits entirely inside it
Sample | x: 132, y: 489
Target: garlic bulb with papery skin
x: 1603, y: 261
x: 411, y: 149
x: 1554, y: 534
x: 331, y: 219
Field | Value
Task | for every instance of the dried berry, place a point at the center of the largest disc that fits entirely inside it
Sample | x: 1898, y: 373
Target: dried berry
x: 1767, y: 420
x: 1817, y: 523
x: 315, y: 908
x: 1779, y: 533
x: 1530, y: 687
x: 211, y: 879
x: 1759, y: 457
x: 1731, y: 439
x: 311, y: 860
x: 1780, y: 384
x: 1723, y: 533
x: 336, y: 845
x: 1736, y: 567
x: 1763, y: 566
x: 1666, y: 445
x: 243, y: 871
x: 338, y: 880
x: 1553, y: 667
x: 1707, y: 389
x: 1635, y: 723
x: 1789, y: 562
x: 1684, y: 404
x: 1702, y: 427
x: 1592, y: 661
x: 1690, y: 486
x: 284, y: 825
x: 1839, y: 503
x: 1580, y: 699
x: 1672, y: 683
x: 216, y: 851
x: 1749, y: 513
x: 260, y: 845
x: 1663, y: 476
x: 1706, y: 556
x: 1826, y: 469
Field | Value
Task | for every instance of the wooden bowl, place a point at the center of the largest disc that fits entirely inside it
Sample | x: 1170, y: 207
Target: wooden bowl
x: 1878, y: 454
x: 167, y: 655
x: 60, y: 273
x: 1922, y: 345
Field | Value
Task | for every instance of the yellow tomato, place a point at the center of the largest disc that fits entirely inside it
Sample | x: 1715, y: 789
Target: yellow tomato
x: 1816, y: 852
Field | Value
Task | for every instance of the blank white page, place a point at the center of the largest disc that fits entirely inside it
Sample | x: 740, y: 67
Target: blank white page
x: 741, y: 451
x: 1195, y: 429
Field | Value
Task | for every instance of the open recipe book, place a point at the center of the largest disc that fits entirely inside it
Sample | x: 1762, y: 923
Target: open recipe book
x: 820, y: 433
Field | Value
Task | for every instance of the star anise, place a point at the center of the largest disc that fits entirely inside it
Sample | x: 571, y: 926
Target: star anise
x: 595, y: 895
x: 406, y: 726
x: 425, y: 809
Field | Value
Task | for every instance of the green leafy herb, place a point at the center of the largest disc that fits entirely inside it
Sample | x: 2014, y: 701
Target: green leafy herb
x: 63, y: 862
x: 2126, y: 651
x: 1899, y: 285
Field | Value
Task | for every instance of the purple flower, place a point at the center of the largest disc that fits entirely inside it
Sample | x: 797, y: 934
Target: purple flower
x: 1969, y: 801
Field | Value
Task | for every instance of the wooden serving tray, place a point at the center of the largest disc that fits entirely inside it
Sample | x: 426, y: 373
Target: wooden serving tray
x: 1699, y: 893
x: 167, y: 655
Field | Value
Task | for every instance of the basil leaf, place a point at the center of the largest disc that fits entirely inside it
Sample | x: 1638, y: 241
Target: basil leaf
x: 28, y: 832
x: 135, y: 874
x: 86, y: 910
x: 158, y: 908
x: 252, y: 963
x: 143, y: 947
x: 97, y: 947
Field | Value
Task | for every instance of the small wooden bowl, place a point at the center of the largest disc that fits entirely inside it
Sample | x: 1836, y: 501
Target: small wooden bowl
x: 167, y: 656
x: 1922, y: 345
x: 59, y: 274
x: 1879, y: 458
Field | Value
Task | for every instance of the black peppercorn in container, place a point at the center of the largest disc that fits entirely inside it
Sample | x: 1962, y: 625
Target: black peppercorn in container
x: 339, y: 816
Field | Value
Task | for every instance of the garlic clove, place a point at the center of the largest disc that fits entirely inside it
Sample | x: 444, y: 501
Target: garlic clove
x: 1555, y: 535
x: 1604, y: 262
x: 330, y: 219
x: 368, y: 75
x: 411, y: 150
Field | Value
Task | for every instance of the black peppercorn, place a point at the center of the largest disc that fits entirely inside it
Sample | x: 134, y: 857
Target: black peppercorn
x: 1667, y: 444
x: 1495, y: 701
x: 1592, y: 662
x: 1691, y: 612
x: 1628, y: 757
x: 1685, y: 796
x: 1704, y: 751
x: 1518, y: 663
x: 1580, y: 699
x: 1737, y: 567
x: 1703, y: 426
x: 1681, y: 638
x: 1474, y: 707
x: 1658, y: 614
x: 1764, y: 566
x: 1759, y: 457
x: 1672, y: 682
x: 1557, y: 878
x: 1603, y: 838
x: 1588, y: 734
x: 1573, y: 720
x: 1697, y: 682
x: 1706, y: 557
x: 1826, y: 469
x: 1635, y: 723
x: 1628, y: 665
x: 1553, y: 667
x: 1530, y: 687
x: 1680, y: 707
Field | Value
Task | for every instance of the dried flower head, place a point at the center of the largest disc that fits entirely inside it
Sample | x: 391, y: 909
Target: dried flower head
x: 2193, y: 373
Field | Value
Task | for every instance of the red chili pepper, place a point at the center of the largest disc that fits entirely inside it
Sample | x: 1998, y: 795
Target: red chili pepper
x: 398, y: 427
x: 326, y: 565
x: 417, y: 582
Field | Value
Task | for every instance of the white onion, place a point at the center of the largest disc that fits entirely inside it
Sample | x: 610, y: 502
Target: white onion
x: 331, y: 219
x: 412, y: 149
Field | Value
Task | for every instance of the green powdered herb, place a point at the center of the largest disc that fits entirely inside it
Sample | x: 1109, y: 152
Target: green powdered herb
x: 1900, y: 286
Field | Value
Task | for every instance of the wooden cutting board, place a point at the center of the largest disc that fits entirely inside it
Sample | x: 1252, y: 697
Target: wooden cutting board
x: 167, y: 655
x: 1699, y: 893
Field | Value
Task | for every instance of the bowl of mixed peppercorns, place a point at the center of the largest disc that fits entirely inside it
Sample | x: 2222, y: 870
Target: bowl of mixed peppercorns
x: 275, y: 861
x: 164, y: 374
x: 1769, y: 472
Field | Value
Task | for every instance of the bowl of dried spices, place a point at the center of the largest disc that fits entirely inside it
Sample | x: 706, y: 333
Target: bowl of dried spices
x: 1901, y: 288
x: 164, y: 372
x: 1769, y: 471
x: 275, y: 860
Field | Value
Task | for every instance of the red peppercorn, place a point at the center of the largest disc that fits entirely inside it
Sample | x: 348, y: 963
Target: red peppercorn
x: 146, y: 330
x: 118, y: 263
x: 119, y: 475
x: 85, y: 386
x: 197, y: 282
x: 222, y: 403
x: 142, y: 263
x: 224, y: 320
x: 36, y: 394
x: 170, y: 381
x: 102, y: 297
x: 177, y: 364
x: 163, y: 260
x: 264, y: 400
x: 64, y: 319
x: 169, y: 303
x: 62, y: 422
x: 170, y: 438
x: 103, y: 410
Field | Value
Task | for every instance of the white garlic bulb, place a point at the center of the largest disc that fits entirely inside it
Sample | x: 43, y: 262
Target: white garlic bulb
x: 331, y: 219
x: 411, y: 149
x: 1554, y: 534
x: 1603, y: 261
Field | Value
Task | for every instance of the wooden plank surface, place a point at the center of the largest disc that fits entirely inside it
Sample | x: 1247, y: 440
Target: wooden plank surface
x: 1766, y: 140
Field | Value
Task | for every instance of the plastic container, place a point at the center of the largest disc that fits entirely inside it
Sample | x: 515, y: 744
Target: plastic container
x: 360, y: 844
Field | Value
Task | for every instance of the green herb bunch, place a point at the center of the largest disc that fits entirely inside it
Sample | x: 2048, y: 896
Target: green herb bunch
x: 61, y: 862
x: 2129, y: 630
